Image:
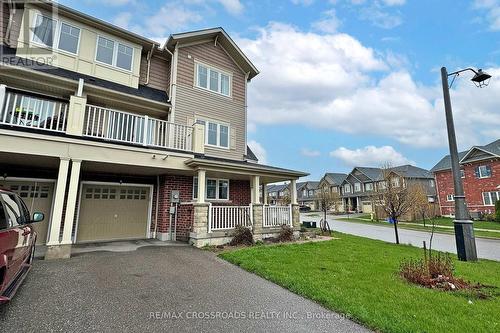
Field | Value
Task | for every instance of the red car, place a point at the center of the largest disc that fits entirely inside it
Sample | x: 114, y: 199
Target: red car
x: 17, y: 243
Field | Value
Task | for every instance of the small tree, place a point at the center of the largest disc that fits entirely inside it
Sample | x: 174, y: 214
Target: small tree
x: 327, y: 200
x: 395, y: 196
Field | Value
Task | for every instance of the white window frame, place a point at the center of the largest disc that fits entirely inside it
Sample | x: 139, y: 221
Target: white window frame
x: 450, y: 197
x: 479, y: 171
x: 219, y: 124
x: 347, y: 186
x: 115, y: 53
x: 368, y: 189
x: 215, y: 69
x: 492, y: 200
x: 217, y: 194
x: 57, y: 34
x: 357, y: 187
x: 462, y: 173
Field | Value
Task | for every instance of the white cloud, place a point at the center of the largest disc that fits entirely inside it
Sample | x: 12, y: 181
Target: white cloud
x: 370, y: 156
x: 310, y: 153
x: 328, y: 82
x: 258, y: 150
x: 302, y: 2
x: 123, y: 20
x: 394, y: 2
x: 232, y: 6
x: 380, y: 18
x: 492, y: 7
x: 172, y: 17
x: 329, y: 24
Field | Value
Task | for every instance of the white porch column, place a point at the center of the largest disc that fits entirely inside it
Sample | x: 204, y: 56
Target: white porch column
x: 264, y: 193
x: 69, y: 217
x: 255, y: 189
x: 55, y: 222
x: 293, y: 192
x: 201, y: 186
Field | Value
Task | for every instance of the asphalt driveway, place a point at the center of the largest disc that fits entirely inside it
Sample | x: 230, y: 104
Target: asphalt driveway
x: 156, y: 289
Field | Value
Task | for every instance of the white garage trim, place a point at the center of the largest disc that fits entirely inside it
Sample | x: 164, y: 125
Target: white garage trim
x: 150, y: 205
x: 38, y: 180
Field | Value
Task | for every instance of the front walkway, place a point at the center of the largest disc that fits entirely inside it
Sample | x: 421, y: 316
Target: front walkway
x: 157, y: 289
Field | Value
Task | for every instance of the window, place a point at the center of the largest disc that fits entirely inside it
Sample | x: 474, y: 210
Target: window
x: 382, y: 185
x: 213, y: 80
x: 68, y: 38
x: 462, y: 173
x: 114, y: 53
x: 304, y: 193
x: 52, y: 33
x: 450, y: 197
x: 216, y: 134
x: 357, y: 187
x: 216, y: 189
x: 395, y: 182
x: 483, y: 171
x: 311, y: 193
x: 347, y: 188
x: 369, y: 187
x: 12, y: 209
x: 3, y: 218
x: 431, y: 182
x: 490, y: 198
x: 44, y: 30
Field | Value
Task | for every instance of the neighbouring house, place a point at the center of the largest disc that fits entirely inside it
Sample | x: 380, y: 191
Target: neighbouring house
x: 362, y: 182
x: 114, y: 136
x: 277, y: 194
x: 480, y: 172
x: 332, y: 182
x: 307, y: 194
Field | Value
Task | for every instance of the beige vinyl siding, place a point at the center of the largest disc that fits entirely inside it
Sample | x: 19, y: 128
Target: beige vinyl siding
x: 193, y: 102
x: 159, y: 75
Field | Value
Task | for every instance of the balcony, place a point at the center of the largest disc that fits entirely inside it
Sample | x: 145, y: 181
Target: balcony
x: 25, y: 110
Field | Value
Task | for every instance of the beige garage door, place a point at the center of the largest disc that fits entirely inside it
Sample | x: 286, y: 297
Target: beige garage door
x: 112, y: 213
x: 367, y: 207
x: 37, y: 195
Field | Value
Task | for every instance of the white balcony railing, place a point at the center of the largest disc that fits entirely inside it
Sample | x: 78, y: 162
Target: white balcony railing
x: 127, y: 127
x: 228, y: 217
x: 30, y: 111
x: 276, y: 216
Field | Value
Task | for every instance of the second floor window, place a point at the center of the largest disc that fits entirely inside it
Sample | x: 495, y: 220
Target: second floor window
x: 357, y: 187
x: 490, y: 198
x: 44, y: 30
x: 213, y: 80
x: 347, y: 188
x: 114, y: 54
x: 51, y: 33
x: 483, y: 171
x: 369, y: 187
x: 216, y: 134
x: 68, y: 38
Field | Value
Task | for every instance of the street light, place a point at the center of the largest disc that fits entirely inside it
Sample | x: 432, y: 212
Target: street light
x: 464, y: 227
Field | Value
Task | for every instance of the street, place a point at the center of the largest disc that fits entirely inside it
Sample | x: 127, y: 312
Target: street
x: 486, y: 248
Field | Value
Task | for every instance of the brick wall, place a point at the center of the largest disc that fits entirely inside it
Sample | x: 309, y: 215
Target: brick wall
x: 473, y: 187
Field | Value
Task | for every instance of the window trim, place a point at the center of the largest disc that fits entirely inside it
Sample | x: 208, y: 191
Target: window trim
x: 368, y: 189
x: 115, y: 53
x: 360, y: 187
x: 57, y: 34
x: 491, y: 198
x: 448, y: 198
x: 217, y: 195
x: 479, y: 171
x: 218, y: 134
x: 209, y: 69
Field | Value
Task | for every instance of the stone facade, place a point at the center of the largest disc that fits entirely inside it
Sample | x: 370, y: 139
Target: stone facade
x: 474, y: 187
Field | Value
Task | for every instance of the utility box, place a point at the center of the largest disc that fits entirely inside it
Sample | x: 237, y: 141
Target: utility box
x: 175, y: 197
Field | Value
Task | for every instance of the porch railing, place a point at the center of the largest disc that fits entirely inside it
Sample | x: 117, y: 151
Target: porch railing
x: 276, y: 216
x: 127, y: 127
x: 30, y: 111
x: 228, y: 217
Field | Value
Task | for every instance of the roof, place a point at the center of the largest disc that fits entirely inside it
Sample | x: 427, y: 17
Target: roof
x: 276, y: 187
x: 311, y: 184
x: 8, y: 56
x: 372, y: 173
x: 445, y: 163
x: 222, y: 37
x: 410, y: 171
x: 250, y: 155
x: 335, y: 178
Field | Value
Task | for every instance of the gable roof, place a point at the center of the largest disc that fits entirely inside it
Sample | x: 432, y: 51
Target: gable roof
x: 492, y: 148
x: 372, y: 173
x: 221, y: 36
x: 410, y: 171
x: 312, y: 185
x: 250, y: 155
x: 276, y: 187
x: 335, y: 178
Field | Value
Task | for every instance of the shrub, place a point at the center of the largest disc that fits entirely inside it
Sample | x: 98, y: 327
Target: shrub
x: 497, y: 211
x: 489, y: 217
x: 286, y: 234
x: 242, y: 236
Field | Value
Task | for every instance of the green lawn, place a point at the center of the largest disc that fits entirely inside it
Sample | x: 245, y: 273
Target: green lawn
x: 439, y: 221
x: 359, y: 277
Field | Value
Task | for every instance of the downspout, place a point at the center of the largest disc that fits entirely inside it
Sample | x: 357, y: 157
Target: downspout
x: 173, y: 81
x: 247, y: 75
x: 150, y: 55
x: 157, y: 204
x: 171, y: 71
x: 12, y: 12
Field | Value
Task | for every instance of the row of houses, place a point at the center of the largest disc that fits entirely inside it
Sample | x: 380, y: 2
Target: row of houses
x: 480, y: 171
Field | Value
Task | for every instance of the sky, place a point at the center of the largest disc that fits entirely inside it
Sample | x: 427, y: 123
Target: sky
x: 345, y: 83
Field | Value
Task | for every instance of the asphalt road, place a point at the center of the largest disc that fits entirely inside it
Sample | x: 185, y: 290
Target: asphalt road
x: 486, y: 248
x: 157, y: 289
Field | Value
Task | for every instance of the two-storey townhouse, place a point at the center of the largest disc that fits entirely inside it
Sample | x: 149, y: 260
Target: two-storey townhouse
x: 307, y: 194
x: 114, y: 136
x: 276, y: 194
x: 332, y: 182
x: 480, y: 172
x: 362, y: 183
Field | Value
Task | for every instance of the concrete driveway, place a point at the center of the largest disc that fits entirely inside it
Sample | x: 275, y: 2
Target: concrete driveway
x: 156, y: 289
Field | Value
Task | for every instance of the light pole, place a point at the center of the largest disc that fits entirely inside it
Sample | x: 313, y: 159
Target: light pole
x: 463, y: 225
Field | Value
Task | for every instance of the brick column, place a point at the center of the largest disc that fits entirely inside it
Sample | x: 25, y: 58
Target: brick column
x: 296, y: 220
x: 258, y: 221
x: 200, y: 224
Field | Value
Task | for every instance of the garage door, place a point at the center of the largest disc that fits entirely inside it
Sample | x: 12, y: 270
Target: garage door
x: 367, y: 207
x: 38, y: 198
x: 113, y: 212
